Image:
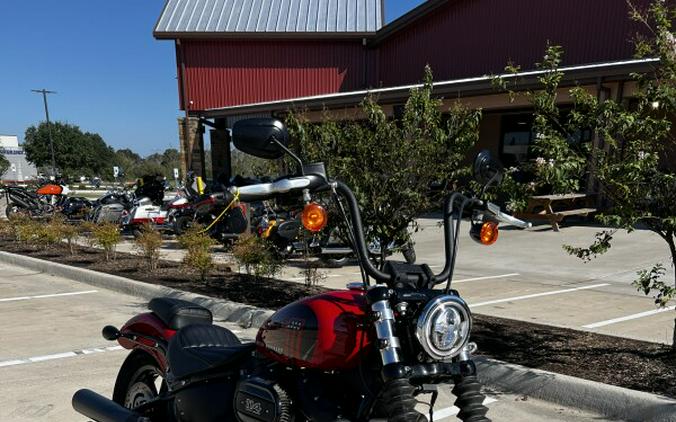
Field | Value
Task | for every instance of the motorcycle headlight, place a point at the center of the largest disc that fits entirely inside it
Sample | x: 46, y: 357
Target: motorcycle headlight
x: 444, y: 326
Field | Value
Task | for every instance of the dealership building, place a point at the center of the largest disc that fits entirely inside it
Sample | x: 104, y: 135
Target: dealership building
x: 252, y: 58
x: 20, y: 169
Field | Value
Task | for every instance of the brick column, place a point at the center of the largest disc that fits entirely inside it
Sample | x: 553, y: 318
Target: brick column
x: 191, y: 140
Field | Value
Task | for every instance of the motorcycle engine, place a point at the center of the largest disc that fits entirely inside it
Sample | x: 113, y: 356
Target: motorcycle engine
x: 259, y: 400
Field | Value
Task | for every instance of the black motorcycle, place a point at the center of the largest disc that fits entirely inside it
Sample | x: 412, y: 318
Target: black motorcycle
x: 21, y: 201
x: 352, y: 355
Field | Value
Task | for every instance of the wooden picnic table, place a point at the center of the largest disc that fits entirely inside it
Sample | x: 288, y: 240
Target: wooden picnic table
x: 556, y: 207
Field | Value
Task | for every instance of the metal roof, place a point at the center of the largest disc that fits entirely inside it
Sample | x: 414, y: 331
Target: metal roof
x: 182, y: 18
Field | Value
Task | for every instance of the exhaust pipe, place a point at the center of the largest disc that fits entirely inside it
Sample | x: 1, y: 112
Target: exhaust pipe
x: 101, y: 409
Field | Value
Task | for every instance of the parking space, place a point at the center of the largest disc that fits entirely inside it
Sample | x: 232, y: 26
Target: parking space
x: 51, y: 346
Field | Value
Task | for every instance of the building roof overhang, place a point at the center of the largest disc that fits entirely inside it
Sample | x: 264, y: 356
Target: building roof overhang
x: 458, y: 88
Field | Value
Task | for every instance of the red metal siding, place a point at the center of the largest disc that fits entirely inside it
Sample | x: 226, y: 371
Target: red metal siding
x: 472, y: 38
x: 222, y: 73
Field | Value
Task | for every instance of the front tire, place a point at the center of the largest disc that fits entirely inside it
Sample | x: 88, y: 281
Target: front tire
x: 182, y: 224
x: 14, y: 210
x: 139, y: 381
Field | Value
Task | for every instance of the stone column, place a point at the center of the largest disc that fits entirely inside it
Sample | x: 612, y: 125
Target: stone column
x: 191, y: 137
x: 220, y: 154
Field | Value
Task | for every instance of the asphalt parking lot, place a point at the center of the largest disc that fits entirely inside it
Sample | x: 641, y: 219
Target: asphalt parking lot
x: 51, y: 346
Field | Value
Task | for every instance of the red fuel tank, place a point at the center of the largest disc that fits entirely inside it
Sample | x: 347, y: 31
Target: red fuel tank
x: 329, y: 331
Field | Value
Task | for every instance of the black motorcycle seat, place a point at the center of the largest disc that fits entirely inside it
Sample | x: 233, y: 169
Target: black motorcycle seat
x: 177, y: 314
x: 200, y: 348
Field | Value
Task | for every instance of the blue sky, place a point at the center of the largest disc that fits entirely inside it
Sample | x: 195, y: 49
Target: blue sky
x: 111, y: 76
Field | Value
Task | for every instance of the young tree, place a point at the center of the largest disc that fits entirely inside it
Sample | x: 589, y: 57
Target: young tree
x: 634, y: 171
x: 390, y: 164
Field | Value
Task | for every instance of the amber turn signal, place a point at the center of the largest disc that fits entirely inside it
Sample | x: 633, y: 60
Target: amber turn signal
x: 314, y: 217
x: 486, y: 233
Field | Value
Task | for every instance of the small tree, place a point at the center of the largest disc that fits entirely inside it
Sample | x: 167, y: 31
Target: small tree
x: 257, y: 256
x: 58, y: 229
x: 106, y: 236
x: 148, y: 244
x: 198, y: 251
x: 633, y: 169
x: 390, y: 164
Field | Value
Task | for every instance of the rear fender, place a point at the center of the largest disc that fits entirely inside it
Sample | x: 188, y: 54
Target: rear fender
x: 147, y: 332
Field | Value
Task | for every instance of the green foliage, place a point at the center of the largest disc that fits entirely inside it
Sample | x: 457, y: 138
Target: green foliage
x: 77, y: 153
x: 148, y: 244
x: 198, y: 251
x: 26, y: 229
x: 106, y: 236
x: 4, y: 164
x: 249, y: 166
x: 599, y: 247
x: 134, y: 166
x: 650, y: 281
x: 632, y: 168
x: 257, y: 256
x: 390, y: 164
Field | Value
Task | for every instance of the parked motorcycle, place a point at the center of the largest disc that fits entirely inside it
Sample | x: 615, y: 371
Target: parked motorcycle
x: 284, y: 230
x: 111, y: 207
x: 351, y: 355
x: 44, y: 202
x: 224, y: 222
x: 133, y: 209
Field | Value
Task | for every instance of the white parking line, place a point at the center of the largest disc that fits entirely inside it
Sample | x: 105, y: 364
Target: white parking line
x: 555, y: 292
x: 18, y: 298
x: 62, y: 355
x: 629, y: 317
x: 486, y: 278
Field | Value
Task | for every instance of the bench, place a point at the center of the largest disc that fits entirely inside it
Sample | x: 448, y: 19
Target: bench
x: 554, y: 208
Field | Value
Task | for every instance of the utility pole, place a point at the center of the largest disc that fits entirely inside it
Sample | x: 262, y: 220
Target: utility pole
x: 44, y: 93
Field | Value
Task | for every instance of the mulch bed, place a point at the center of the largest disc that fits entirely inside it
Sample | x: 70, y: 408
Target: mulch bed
x: 623, y: 362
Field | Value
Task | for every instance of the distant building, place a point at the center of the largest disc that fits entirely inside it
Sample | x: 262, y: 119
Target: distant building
x: 19, y: 169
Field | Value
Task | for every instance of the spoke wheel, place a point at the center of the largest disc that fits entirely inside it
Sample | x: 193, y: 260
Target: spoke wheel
x: 138, y: 382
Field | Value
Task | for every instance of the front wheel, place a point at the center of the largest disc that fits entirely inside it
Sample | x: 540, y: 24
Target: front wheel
x: 139, y: 381
x: 14, y: 210
x: 182, y: 224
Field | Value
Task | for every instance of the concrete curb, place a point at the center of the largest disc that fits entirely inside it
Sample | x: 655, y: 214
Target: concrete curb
x: 604, y: 399
x: 244, y: 315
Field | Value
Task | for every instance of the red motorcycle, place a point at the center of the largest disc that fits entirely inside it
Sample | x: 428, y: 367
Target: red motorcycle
x: 351, y: 355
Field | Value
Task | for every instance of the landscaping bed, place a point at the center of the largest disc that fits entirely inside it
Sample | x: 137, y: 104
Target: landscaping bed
x: 617, y: 361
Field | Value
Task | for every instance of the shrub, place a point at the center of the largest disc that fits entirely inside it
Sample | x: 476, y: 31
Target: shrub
x: 26, y: 230
x: 148, y: 244
x: 256, y: 256
x: 106, y: 236
x: 198, y: 254
x: 311, y: 273
x: 7, y: 230
x: 49, y: 232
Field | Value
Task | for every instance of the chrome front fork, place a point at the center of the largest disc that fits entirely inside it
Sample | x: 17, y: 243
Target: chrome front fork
x: 388, y: 342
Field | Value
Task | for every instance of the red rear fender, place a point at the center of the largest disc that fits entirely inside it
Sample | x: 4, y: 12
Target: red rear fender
x: 146, y: 324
